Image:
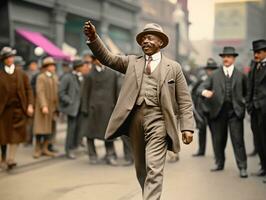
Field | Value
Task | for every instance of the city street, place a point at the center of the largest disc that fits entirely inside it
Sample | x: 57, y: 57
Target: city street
x: 189, y: 179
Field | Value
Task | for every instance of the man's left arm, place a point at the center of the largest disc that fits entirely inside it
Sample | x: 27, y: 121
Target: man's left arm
x: 29, y: 94
x: 185, y: 109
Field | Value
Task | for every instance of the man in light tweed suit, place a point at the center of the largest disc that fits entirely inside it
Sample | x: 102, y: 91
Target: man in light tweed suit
x: 153, y: 103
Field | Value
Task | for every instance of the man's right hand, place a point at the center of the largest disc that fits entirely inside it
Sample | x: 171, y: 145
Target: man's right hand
x: 207, y: 93
x: 89, y: 30
x: 45, y: 110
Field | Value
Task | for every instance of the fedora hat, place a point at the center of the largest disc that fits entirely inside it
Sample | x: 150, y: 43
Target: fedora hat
x: 228, y: 51
x: 211, y: 64
x: 154, y: 29
x: 258, y: 45
x: 48, y: 61
x: 77, y: 63
x: 7, y: 52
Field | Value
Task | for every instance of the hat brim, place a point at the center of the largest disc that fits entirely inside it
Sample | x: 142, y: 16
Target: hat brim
x: 258, y: 49
x: 228, y: 54
x: 210, y: 67
x: 161, y: 35
x: 46, y: 64
x: 12, y: 53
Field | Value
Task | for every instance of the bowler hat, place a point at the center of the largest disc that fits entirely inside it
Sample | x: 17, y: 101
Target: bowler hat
x: 48, y: 61
x: 77, y: 63
x: 258, y: 45
x: 229, y: 51
x: 154, y: 29
x: 7, y: 52
x: 211, y: 64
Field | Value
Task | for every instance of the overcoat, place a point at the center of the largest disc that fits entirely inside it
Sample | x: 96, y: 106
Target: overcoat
x: 46, y: 95
x: 172, y: 92
x: 99, y: 97
x: 13, y: 118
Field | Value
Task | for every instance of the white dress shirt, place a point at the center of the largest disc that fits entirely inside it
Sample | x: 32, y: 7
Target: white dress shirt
x: 228, y: 70
x: 10, y: 69
x: 78, y: 74
x: 156, y: 59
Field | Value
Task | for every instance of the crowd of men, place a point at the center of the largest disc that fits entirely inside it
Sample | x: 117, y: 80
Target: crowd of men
x: 30, y: 103
x: 221, y: 96
x: 33, y: 100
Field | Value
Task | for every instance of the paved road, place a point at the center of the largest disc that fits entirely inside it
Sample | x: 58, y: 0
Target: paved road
x: 189, y: 179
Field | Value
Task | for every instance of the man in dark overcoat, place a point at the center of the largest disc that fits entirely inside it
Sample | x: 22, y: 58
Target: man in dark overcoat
x: 16, y: 104
x: 226, y: 90
x: 98, y: 101
x: 201, y: 107
x: 153, y: 100
x: 256, y: 101
x: 69, y: 103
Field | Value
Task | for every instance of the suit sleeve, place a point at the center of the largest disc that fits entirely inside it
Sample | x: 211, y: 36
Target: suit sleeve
x: 118, y: 63
x: 184, y: 103
x: 63, y: 90
x: 40, y: 92
x: 85, y: 95
x: 205, y: 85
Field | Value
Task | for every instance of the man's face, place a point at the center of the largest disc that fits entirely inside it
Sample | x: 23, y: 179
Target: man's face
x: 33, y: 66
x: 259, y: 55
x: 51, y: 68
x: 209, y: 72
x: 151, y: 44
x: 9, y: 60
x: 228, y: 60
x: 83, y: 69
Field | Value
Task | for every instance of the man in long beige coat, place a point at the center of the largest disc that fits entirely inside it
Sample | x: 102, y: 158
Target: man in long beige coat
x: 46, y: 106
x: 153, y: 100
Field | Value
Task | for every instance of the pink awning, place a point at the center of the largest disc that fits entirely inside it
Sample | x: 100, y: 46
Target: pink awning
x: 40, y: 40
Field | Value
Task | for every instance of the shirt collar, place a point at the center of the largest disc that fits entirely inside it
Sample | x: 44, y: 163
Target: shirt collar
x: 230, y: 68
x: 49, y: 74
x: 264, y: 60
x: 10, y: 69
x: 156, y: 56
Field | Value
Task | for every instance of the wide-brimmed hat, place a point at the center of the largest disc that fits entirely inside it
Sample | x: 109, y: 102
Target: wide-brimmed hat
x: 229, y: 51
x: 77, y: 63
x: 19, y: 61
x: 258, y: 45
x: 154, y: 29
x: 48, y: 61
x: 211, y: 64
x: 7, y: 52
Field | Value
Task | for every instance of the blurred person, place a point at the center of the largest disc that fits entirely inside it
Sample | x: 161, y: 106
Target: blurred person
x: 87, y: 57
x: 256, y: 101
x: 201, y: 106
x: 32, y: 70
x: 98, y: 101
x: 69, y: 104
x: 16, y: 104
x: 19, y: 62
x: 226, y: 90
x: 154, y: 98
x: 46, y: 107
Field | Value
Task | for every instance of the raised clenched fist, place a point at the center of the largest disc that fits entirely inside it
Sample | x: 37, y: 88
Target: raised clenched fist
x: 89, y: 30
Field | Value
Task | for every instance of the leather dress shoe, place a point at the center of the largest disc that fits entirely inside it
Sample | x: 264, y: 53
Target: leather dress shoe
x: 198, y: 154
x: 261, y: 172
x: 217, y: 168
x: 111, y: 161
x: 243, y: 173
x: 71, y: 155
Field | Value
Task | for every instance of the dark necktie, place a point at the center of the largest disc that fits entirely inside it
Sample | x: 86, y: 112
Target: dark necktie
x: 148, y: 67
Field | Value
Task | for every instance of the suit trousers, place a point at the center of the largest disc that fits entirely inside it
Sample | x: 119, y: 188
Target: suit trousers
x: 219, y: 128
x: 73, y: 137
x: 149, y: 146
x: 109, y: 148
x: 258, y: 126
x: 202, y: 138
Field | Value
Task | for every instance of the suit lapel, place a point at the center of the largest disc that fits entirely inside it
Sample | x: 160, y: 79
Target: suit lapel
x: 263, y: 71
x: 164, y: 70
x: 221, y: 78
x: 139, y: 68
x: 234, y: 77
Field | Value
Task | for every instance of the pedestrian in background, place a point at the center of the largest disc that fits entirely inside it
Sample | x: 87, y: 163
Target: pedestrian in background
x: 70, y: 100
x: 98, y: 100
x: 226, y: 90
x: 256, y: 101
x: 46, y: 107
x: 16, y: 104
x: 201, y: 107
